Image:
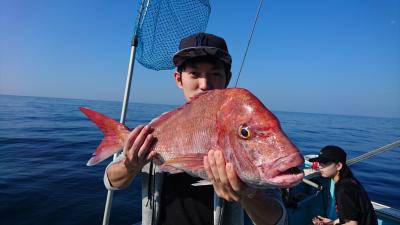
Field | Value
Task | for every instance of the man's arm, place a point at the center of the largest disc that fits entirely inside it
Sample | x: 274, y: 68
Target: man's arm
x: 137, y: 154
x: 119, y: 176
x: 227, y: 185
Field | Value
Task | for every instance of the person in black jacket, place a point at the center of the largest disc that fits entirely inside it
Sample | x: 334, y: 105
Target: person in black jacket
x: 353, y: 206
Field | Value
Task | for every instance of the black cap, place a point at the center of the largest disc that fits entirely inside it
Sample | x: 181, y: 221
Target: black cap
x: 330, y: 153
x: 202, y: 44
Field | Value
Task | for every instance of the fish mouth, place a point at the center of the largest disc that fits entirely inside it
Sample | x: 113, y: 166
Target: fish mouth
x: 287, y: 174
x: 290, y: 171
x: 289, y: 177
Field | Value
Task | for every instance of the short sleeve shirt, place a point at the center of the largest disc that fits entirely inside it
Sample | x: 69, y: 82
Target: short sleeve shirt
x: 353, y: 203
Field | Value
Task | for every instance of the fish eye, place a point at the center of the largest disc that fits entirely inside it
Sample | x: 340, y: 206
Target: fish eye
x: 244, y: 132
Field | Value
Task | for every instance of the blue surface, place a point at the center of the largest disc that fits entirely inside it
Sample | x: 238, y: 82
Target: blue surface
x: 46, y: 142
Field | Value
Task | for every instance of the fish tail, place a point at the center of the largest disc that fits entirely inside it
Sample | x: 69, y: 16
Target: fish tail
x: 114, y: 132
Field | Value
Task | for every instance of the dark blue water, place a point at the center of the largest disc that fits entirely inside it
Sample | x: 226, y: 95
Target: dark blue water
x: 46, y: 142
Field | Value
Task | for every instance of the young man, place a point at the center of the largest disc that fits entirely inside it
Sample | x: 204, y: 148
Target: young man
x: 203, y: 63
x: 352, y: 202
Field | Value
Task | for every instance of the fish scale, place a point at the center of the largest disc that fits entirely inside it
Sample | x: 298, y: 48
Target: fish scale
x: 215, y: 119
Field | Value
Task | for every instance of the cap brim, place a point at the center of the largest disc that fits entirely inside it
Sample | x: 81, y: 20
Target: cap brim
x: 320, y: 159
x: 193, y: 52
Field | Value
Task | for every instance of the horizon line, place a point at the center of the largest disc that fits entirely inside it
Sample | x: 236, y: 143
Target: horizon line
x: 104, y: 100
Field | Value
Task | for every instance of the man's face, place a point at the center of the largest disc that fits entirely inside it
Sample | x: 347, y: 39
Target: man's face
x: 199, y: 77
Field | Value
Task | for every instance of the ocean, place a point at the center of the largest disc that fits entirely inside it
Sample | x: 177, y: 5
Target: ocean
x: 46, y: 142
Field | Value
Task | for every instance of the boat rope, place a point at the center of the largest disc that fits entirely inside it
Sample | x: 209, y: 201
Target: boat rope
x: 221, y: 203
x: 373, y: 153
x: 248, y: 42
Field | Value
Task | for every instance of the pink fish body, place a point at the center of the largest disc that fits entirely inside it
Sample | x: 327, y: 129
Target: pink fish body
x: 232, y: 120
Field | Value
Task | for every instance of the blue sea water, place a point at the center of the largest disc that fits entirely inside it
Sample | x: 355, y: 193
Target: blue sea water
x: 46, y: 142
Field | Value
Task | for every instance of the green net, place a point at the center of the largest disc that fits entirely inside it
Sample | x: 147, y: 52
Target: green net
x: 162, y: 24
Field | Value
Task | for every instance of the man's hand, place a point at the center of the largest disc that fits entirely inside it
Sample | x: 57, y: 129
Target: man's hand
x: 137, y: 154
x: 227, y: 184
x: 137, y: 149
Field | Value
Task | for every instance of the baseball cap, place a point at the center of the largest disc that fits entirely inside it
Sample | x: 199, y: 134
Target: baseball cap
x: 330, y: 153
x: 202, y: 44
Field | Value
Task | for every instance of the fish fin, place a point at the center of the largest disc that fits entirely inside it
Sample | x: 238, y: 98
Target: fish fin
x: 202, y: 183
x: 191, y: 162
x: 114, y: 135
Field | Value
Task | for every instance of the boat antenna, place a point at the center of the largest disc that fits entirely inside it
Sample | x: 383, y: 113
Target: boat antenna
x: 248, y: 43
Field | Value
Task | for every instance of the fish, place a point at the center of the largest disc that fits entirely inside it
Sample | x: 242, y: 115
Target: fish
x: 232, y: 120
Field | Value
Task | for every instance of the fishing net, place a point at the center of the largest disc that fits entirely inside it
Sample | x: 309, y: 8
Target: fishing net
x: 162, y: 24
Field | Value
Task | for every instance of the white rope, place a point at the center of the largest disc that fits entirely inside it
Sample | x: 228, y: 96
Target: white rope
x: 373, y: 153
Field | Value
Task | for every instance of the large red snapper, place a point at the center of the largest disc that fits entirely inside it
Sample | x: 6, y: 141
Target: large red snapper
x: 232, y: 120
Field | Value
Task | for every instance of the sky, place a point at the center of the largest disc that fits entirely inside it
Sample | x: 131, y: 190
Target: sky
x: 331, y: 57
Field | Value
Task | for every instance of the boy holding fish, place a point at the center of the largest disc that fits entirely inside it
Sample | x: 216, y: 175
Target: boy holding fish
x: 203, y: 63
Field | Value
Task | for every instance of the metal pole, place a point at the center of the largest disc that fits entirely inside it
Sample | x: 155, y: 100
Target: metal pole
x: 134, y: 43
x: 107, y: 210
x: 219, y: 205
